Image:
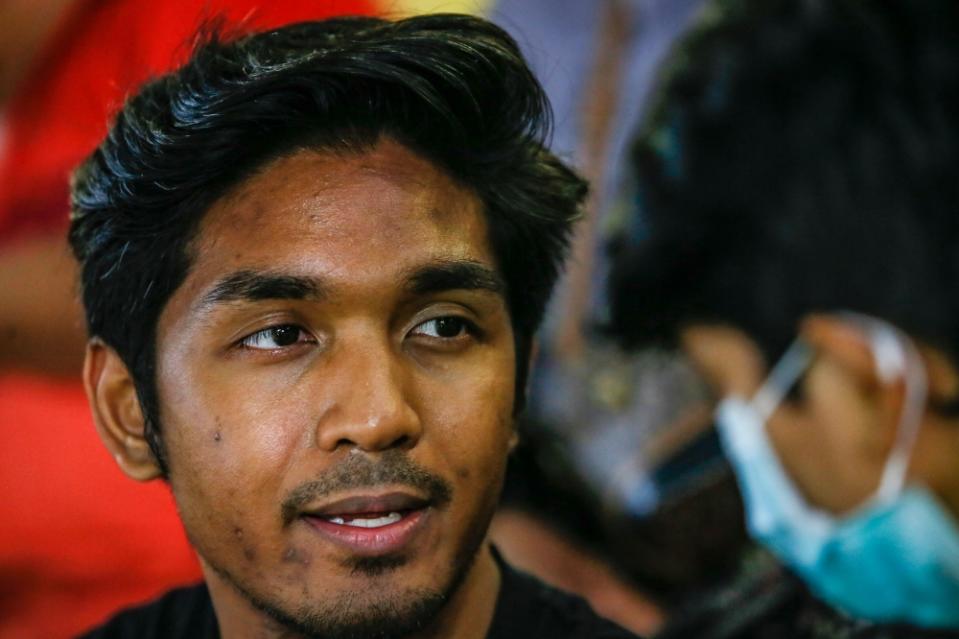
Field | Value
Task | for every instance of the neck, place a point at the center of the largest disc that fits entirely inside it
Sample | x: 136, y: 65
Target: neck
x: 467, y: 615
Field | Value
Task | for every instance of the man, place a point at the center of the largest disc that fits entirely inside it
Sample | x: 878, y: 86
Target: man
x: 313, y: 260
x: 798, y: 240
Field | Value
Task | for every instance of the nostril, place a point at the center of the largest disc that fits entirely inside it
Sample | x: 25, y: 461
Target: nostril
x: 357, y: 437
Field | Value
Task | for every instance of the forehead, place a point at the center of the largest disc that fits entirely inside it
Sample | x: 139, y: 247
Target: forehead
x: 347, y: 218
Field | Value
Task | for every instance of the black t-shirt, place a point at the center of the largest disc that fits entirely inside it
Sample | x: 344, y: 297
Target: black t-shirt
x: 526, y: 608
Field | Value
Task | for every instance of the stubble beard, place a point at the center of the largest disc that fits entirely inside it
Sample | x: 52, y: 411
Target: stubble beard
x: 352, y: 615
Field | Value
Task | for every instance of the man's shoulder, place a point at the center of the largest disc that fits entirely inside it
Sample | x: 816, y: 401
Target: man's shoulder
x: 180, y: 613
x: 528, y: 608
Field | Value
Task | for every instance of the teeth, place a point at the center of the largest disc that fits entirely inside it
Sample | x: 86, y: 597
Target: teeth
x: 375, y: 522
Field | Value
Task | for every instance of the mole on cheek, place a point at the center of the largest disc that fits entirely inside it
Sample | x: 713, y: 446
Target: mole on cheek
x: 219, y: 425
x: 248, y: 551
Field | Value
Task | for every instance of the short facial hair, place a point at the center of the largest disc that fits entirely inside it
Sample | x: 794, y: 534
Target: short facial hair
x: 391, y: 618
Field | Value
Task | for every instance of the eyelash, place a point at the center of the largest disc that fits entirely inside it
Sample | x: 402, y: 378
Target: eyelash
x: 271, y: 332
x: 466, y: 328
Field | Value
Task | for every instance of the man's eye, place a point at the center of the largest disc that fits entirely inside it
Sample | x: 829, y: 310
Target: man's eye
x: 443, y: 328
x: 275, y: 337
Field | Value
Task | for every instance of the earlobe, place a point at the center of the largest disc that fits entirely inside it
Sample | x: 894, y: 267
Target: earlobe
x: 116, y: 411
x: 513, y: 440
x: 531, y: 359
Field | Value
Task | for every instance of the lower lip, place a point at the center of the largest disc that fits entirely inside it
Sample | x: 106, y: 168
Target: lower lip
x: 373, y: 541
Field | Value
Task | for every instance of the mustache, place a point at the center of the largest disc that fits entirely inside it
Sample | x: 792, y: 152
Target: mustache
x: 361, y: 471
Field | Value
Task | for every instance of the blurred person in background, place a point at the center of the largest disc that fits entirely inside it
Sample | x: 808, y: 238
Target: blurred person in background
x: 642, y: 507
x: 797, y: 238
x: 78, y: 540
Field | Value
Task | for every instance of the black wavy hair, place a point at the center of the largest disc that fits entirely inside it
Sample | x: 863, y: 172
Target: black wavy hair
x: 803, y: 156
x: 452, y: 88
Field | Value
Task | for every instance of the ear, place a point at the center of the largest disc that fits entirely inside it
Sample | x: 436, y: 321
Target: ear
x: 513, y: 441
x: 530, y: 364
x: 116, y: 411
x: 531, y: 359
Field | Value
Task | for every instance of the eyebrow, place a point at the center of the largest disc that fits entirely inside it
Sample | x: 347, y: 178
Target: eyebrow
x: 452, y: 275
x: 254, y: 286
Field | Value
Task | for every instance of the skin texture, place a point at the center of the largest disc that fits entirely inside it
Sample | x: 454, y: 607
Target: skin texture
x: 834, y: 438
x: 368, y: 381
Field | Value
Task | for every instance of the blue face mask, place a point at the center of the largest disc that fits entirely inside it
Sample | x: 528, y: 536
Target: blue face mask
x: 896, y: 557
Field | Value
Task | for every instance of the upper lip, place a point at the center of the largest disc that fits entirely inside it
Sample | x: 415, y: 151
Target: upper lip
x: 367, y: 504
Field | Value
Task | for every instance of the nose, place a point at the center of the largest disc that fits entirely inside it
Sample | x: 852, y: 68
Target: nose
x: 367, y: 401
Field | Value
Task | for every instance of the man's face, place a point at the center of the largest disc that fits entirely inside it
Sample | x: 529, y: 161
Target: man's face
x: 336, y: 386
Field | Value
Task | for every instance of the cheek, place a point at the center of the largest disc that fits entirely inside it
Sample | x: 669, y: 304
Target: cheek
x: 226, y: 486
x: 473, y: 425
x: 224, y: 420
x: 225, y: 441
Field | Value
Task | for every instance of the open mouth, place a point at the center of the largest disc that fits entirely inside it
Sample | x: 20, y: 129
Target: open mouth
x: 366, y: 520
x: 371, y: 524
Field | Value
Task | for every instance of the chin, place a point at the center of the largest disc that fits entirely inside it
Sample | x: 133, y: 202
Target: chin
x: 361, y: 614
x: 378, y: 597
